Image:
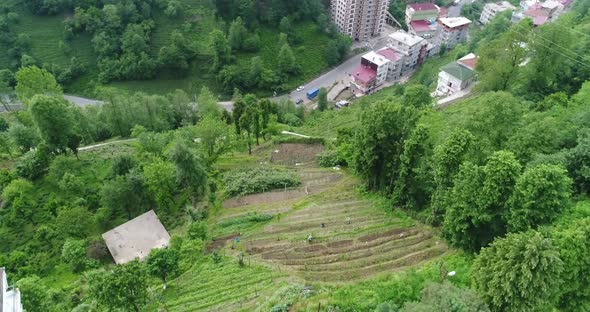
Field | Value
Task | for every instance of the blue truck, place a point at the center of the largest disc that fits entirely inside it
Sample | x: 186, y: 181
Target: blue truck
x: 312, y: 93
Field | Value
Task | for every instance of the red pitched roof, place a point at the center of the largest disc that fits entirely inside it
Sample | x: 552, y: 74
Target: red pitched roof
x: 423, y: 6
x: 389, y: 54
x: 540, y: 20
x: 364, y: 74
x: 421, y: 25
x: 469, y: 63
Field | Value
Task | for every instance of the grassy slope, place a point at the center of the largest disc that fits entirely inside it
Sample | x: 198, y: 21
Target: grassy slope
x: 46, y: 33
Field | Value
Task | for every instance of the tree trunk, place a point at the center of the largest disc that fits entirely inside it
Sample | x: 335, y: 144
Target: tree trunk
x: 249, y: 145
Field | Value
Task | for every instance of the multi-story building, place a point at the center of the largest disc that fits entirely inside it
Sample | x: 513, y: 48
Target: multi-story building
x: 453, y: 30
x: 359, y: 19
x: 395, y: 62
x: 491, y: 9
x: 371, y: 72
x: 421, y: 12
x: 456, y: 76
x: 412, y: 48
x: 9, y: 297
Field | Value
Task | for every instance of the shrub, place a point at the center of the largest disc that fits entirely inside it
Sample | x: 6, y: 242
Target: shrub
x: 198, y: 230
x: 257, y: 179
x: 74, y: 253
x: 252, y: 217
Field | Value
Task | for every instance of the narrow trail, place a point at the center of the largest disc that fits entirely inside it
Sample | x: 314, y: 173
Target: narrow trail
x: 90, y: 147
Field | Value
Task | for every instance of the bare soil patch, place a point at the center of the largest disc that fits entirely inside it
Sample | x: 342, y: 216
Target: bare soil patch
x: 291, y: 154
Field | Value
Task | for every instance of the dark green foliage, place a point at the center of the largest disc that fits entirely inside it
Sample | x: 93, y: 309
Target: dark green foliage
x: 245, y: 181
x: 378, y: 144
x: 125, y: 194
x: 74, y: 254
x: 122, y: 165
x: 412, y: 187
x: 578, y: 162
x: 74, y: 222
x: 198, y: 230
x: 190, y: 171
x: 478, y: 201
x: 163, y: 263
x: 573, y: 241
x: 125, y: 287
x: 520, y: 272
x: 35, y: 296
x: 417, y: 96
x: 323, y: 100
x: 54, y: 120
x: 32, y: 165
x: 541, y: 194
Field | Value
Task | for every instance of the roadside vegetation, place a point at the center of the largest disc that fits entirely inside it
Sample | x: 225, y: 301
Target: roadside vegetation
x: 390, y: 205
x: 165, y: 45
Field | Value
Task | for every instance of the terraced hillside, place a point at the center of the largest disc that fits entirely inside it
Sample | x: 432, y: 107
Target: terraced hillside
x: 353, y: 237
x: 360, y: 238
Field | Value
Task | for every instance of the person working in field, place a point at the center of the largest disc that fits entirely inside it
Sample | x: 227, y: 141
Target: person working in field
x: 309, y: 238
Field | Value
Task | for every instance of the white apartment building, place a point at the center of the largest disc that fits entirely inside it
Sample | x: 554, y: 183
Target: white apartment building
x: 9, y: 297
x: 412, y: 48
x: 491, y: 9
x: 359, y: 19
x: 453, y: 30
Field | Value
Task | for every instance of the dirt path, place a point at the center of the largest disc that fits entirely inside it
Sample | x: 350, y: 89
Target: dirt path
x: 90, y: 147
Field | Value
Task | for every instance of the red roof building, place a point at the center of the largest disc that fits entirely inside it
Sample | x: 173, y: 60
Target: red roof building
x: 423, y: 6
x: 364, y: 77
x: 390, y: 54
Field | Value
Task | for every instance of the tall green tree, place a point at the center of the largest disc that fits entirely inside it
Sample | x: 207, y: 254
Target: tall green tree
x: 237, y: 34
x: 520, y: 272
x: 190, y: 171
x: 53, y: 118
x: 500, y: 59
x: 214, y: 136
x: 221, y: 49
x: 573, y: 240
x: 32, y: 80
x: 411, y: 187
x: 160, y: 179
x: 448, y: 158
x: 323, y: 99
x: 417, y: 96
x: 287, y: 62
x: 207, y: 104
x: 378, y: 143
x: 475, y: 215
x: 125, y: 287
x: 541, y: 194
x: 578, y: 162
x: 163, y: 263
x: 35, y: 295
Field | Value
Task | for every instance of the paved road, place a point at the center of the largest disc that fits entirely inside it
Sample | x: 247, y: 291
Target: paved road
x: 338, y: 73
x: 455, y: 10
x: 76, y: 100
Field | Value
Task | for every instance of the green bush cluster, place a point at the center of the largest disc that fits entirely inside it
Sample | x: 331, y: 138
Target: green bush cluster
x: 257, y: 179
x: 252, y: 217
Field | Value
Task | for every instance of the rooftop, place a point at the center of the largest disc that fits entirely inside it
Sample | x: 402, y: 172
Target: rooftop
x: 390, y: 54
x: 136, y: 238
x: 422, y: 25
x: 456, y: 70
x: 375, y: 58
x: 10, y: 298
x: 406, y: 38
x: 453, y: 22
x: 550, y: 4
x: 469, y: 61
x: 499, y: 6
x: 364, y: 74
x: 423, y: 6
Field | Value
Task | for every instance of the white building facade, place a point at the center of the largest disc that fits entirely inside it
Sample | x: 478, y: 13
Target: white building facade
x: 454, y: 30
x: 359, y: 19
x: 491, y: 9
x: 9, y: 297
x: 412, y: 48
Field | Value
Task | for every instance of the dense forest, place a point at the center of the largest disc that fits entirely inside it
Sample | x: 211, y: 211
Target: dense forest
x: 503, y: 175
x: 123, y: 47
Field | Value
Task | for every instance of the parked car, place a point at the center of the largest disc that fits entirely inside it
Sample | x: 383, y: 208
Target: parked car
x: 300, y: 88
x: 456, y: 2
x: 299, y: 102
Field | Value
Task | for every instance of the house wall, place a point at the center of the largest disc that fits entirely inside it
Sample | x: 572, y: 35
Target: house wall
x: 412, y: 15
x: 453, y: 36
x: 450, y: 84
x: 359, y: 19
